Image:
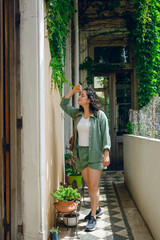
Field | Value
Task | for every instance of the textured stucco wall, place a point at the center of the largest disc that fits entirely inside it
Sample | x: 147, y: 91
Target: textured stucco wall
x: 53, y: 139
x: 42, y: 144
x: 141, y: 171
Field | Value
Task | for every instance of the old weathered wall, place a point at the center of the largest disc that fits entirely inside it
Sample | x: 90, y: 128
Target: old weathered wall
x: 53, y: 139
x: 42, y: 145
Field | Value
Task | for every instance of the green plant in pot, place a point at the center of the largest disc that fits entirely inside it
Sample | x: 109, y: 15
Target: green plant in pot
x: 54, y: 233
x: 67, y: 198
x: 70, y: 168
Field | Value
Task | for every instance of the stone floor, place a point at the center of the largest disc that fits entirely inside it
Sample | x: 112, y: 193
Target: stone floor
x: 121, y: 219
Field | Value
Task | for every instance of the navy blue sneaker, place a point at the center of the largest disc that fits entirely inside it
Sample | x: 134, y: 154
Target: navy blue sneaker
x: 91, y: 224
x: 99, y: 212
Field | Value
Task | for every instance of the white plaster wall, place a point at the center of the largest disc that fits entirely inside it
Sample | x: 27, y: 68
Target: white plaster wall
x: 53, y: 140
x: 33, y: 105
x: 68, y: 74
x: 42, y: 133
x: 141, y: 172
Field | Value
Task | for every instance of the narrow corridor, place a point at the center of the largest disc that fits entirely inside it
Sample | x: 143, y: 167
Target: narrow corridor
x: 121, y: 219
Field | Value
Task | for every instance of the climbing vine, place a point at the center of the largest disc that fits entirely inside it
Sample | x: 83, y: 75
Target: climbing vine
x: 58, y: 17
x: 147, y: 48
x: 144, y: 27
x: 94, y: 68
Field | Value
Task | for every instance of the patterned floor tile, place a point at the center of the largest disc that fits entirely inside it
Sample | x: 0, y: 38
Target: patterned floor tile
x: 116, y: 237
x: 111, y: 224
x: 118, y: 215
x: 120, y: 223
x: 117, y: 209
x: 123, y: 233
x: 88, y: 237
x: 101, y: 233
x: 113, y: 228
x: 112, y: 220
x: 102, y: 224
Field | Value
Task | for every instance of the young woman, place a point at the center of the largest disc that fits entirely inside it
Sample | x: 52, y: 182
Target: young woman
x: 91, y: 145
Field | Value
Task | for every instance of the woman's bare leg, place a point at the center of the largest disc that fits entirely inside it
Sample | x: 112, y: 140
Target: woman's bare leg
x: 84, y: 173
x: 92, y: 177
x: 93, y: 183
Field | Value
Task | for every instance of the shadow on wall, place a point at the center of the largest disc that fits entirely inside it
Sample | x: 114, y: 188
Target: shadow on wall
x: 54, y: 152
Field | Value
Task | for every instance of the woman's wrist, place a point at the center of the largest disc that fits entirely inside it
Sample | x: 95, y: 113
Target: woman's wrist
x: 77, y: 88
x: 70, y: 94
x: 106, y: 152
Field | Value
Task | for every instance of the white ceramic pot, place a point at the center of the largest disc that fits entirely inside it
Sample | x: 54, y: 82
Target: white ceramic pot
x: 71, y: 219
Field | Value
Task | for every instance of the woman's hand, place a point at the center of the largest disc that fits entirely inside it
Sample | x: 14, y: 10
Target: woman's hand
x: 106, y: 158
x: 77, y: 88
x: 106, y: 161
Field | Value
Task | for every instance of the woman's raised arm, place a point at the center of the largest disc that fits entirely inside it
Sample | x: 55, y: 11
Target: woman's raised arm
x: 76, y: 89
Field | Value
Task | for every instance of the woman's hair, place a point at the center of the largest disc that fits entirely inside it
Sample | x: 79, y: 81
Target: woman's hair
x: 94, y: 105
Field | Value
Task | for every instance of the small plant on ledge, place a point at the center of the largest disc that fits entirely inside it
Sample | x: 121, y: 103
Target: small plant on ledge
x: 54, y: 233
x: 74, y: 177
x: 53, y: 229
x: 70, y: 165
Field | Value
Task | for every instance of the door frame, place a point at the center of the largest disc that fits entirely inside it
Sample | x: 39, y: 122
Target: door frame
x: 4, y: 124
x: 128, y: 67
x: 1, y: 124
x: 115, y: 154
x: 112, y: 97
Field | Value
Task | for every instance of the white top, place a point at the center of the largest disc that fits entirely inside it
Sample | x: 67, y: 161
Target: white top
x: 83, y: 132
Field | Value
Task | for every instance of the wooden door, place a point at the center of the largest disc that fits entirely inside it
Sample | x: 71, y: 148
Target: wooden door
x: 4, y: 123
x: 1, y: 124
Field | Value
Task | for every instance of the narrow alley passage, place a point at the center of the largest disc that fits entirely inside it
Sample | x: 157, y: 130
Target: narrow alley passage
x: 121, y: 219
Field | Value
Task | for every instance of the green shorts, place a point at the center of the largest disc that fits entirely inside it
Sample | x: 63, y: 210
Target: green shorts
x: 83, y: 160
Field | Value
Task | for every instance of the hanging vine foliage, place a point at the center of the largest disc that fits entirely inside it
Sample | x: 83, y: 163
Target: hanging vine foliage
x: 96, y: 69
x: 58, y: 17
x: 144, y: 27
x: 147, y: 48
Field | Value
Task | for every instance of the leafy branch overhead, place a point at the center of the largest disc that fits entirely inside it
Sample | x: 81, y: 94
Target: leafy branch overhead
x: 58, y: 17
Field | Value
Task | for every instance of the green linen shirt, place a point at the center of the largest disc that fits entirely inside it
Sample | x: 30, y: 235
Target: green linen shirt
x: 99, y: 138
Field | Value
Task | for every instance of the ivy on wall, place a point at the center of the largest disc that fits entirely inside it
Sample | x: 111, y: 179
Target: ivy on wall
x: 147, y: 48
x: 96, y: 69
x: 58, y: 17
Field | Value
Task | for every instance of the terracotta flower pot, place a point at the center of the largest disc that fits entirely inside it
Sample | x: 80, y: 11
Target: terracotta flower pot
x: 66, y: 207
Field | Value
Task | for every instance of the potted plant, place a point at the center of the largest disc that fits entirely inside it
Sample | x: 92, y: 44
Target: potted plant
x: 68, y: 199
x: 70, y: 169
x: 54, y: 233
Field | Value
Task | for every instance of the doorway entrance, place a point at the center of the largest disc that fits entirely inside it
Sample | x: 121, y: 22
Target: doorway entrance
x: 114, y: 92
